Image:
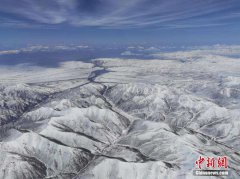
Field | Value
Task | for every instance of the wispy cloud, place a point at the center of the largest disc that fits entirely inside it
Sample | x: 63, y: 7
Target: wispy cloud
x: 118, y: 14
x: 44, y: 48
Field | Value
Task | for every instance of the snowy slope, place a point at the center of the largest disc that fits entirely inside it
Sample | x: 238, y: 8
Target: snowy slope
x: 116, y: 118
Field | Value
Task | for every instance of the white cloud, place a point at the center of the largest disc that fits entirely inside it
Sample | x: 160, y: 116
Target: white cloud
x: 5, y: 52
x: 115, y: 14
x: 43, y: 48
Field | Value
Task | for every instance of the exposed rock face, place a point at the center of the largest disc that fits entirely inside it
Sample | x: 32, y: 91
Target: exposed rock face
x: 121, y: 119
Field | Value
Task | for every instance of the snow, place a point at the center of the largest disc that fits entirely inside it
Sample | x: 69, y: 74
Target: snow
x: 139, y: 119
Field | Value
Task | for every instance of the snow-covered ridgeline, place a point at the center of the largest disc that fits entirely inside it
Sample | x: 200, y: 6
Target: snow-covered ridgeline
x: 133, y: 119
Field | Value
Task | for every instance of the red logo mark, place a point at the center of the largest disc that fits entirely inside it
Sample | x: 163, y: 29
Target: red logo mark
x: 199, y: 162
x: 209, y: 162
x: 222, y: 162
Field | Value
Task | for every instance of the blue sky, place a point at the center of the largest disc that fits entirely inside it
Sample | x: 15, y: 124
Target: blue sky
x: 183, y: 22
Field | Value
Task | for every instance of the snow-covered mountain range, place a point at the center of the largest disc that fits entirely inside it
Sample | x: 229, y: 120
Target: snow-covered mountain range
x: 114, y: 118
